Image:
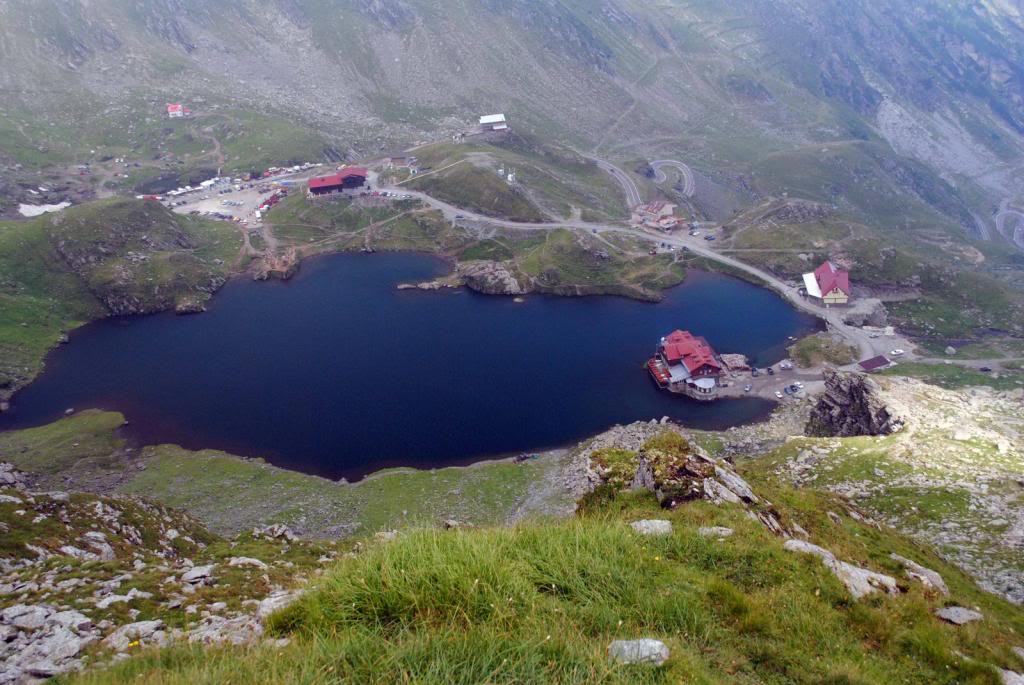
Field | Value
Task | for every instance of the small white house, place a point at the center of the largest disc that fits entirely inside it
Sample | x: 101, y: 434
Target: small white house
x: 493, y: 122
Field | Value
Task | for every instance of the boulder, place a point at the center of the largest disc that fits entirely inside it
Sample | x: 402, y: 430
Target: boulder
x: 859, y: 581
x: 72, y: 620
x: 143, y: 632
x: 715, y: 532
x: 217, y: 630
x: 958, y: 616
x: 275, y: 531
x: 1011, y: 677
x: 25, y: 616
x: 927, y: 577
x: 276, y: 601
x: 198, y: 574
x: 657, y: 527
x: 246, y: 561
x: 645, y: 651
x: 950, y: 351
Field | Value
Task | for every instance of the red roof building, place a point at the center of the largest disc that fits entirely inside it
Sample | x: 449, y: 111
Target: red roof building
x: 830, y: 278
x: 175, y: 110
x: 349, y: 177
x: 692, y: 351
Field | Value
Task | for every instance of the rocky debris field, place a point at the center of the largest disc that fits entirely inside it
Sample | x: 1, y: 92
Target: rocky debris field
x: 951, y: 477
x: 87, y: 580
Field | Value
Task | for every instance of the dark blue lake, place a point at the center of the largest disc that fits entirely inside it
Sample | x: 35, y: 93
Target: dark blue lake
x: 338, y: 373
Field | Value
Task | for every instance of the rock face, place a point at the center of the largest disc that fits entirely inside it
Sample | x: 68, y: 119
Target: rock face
x: 851, y: 405
x: 491, y: 278
x: 867, y: 312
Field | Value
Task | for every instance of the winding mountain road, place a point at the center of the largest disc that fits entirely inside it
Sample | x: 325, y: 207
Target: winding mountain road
x: 632, y: 192
x: 685, y: 172
x: 1006, y: 212
x: 867, y: 346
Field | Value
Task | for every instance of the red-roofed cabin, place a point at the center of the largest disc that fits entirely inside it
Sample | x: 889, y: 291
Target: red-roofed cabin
x: 175, y: 110
x: 349, y: 177
x: 693, y: 352
x: 833, y: 283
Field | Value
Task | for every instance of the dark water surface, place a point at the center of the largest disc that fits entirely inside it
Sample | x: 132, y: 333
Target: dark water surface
x: 338, y: 373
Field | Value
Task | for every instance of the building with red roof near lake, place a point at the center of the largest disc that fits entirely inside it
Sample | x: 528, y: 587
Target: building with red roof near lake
x: 828, y: 283
x: 687, y: 364
x: 349, y: 177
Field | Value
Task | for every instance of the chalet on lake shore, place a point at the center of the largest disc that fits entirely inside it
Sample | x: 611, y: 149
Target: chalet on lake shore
x: 687, y: 364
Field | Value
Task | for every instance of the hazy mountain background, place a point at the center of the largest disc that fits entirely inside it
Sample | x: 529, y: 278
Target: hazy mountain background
x: 909, y: 112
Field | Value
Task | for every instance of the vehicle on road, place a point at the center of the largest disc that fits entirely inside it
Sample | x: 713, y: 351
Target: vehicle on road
x: 771, y: 371
x: 709, y: 237
x: 897, y: 352
x: 748, y: 387
x: 755, y: 373
x: 685, y: 248
x: 874, y: 335
x: 985, y: 369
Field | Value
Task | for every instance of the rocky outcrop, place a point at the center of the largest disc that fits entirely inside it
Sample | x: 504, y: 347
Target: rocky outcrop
x: 859, y: 581
x: 851, y: 405
x: 675, y: 470
x: 867, y: 312
x: 491, y: 278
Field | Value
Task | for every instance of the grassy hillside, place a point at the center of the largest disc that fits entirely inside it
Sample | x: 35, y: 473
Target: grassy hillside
x: 560, y: 261
x: 87, y: 450
x: 541, y: 602
x: 117, y: 256
x: 558, y: 182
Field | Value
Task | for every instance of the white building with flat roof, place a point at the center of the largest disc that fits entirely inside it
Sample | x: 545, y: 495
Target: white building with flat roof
x: 493, y: 122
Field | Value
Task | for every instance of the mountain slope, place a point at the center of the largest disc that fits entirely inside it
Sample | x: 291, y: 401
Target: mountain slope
x: 719, y: 84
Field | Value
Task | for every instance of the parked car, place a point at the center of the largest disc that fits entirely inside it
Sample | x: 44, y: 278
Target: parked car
x: 709, y: 237
x: 897, y: 353
x: 985, y: 369
x: 748, y: 387
x: 778, y: 394
x: 788, y: 390
x: 771, y: 371
x: 755, y: 373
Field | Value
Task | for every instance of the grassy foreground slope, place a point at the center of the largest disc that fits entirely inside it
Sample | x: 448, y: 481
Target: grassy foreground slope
x: 540, y: 602
x: 110, y: 257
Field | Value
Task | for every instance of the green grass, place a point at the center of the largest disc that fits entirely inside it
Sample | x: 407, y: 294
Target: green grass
x: 821, y: 349
x: 58, y: 272
x: 954, y: 376
x: 85, y: 447
x: 539, y: 603
x: 555, y: 178
x: 55, y: 447
x: 480, y: 190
